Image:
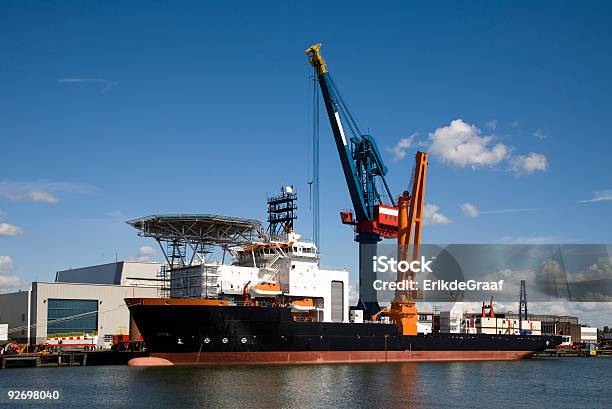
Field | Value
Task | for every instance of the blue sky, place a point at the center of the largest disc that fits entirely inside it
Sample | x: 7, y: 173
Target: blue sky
x: 111, y: 111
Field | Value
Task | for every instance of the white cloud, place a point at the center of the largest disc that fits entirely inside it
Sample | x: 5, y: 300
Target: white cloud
x: 432, y: 216
x: 10, y: 230
x: 492, y: 124
x: 401, y: 147
x: 145, y: 254
x: 7, y: 280
x: 107, y: 84
x: 602, y: 269
x: 34, y: 196
x: 515, y: 124
x: 41, y: 191
x: 461, y: 144
x: 10, y: 282
x: 539, y: 134
x: 6, y: 265
x: 469, y: 210
x: 40, y: 196
x: 528, y: 164
x: 599, y: 196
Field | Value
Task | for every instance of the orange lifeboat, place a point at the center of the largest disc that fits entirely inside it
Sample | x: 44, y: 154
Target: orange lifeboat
x: 304, y: 304
x: 266, y: 289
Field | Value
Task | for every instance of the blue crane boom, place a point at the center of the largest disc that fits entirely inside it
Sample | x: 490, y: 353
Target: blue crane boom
x: 362, y: 165
x: 332, y: 107
x: 359, y: 155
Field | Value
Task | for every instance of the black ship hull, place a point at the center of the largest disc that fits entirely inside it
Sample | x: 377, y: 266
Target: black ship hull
x: 194, y: 333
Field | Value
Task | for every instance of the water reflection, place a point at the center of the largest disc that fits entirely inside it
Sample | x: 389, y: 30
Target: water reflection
x: 401, y: 385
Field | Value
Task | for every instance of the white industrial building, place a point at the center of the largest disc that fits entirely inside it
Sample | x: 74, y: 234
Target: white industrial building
x: 83, y: 300
x: 15, y: 312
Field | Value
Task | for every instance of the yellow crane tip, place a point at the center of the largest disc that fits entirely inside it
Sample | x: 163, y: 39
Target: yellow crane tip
x: 313, y: 48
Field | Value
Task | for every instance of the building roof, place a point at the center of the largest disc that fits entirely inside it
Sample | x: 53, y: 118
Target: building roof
x: 118, y: 273
x: 199, y: 228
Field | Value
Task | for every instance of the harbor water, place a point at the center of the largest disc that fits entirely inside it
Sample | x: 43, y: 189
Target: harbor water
x: 565, y: 382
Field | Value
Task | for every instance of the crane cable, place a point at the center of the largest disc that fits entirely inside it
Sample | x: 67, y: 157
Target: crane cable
x: 352, y: 123
x: 315, y: 164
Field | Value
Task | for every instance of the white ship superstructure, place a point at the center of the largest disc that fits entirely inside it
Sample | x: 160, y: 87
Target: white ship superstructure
x: 285, y: 267
x: 255, y: 266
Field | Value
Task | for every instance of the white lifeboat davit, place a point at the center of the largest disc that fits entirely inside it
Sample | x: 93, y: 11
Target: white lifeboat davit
x: 304, y: 304
x: 266, y: 289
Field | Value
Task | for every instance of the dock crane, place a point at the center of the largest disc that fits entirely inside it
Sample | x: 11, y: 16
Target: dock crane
x: 363, y: 167
x: 403, y: 310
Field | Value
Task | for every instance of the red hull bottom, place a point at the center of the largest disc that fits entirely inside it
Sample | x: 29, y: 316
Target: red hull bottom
x: 336, y: 357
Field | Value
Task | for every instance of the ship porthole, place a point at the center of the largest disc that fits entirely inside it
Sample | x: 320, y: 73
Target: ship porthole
x: 207, y: 340
x: 243, y: 340
x: 224, y: 340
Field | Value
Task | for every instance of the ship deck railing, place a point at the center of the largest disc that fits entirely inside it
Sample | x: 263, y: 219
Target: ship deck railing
x: 319, y: 307
x: 260, y: 304
x: 378, y: 322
